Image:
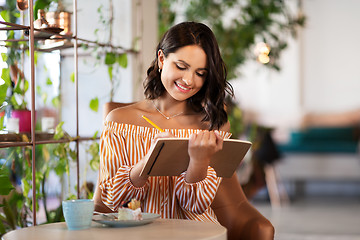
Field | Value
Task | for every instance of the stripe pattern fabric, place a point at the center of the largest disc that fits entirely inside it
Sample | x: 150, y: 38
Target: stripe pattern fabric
x: 122, y: 146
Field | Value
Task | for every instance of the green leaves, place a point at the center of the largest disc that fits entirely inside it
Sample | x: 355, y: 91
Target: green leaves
x: 72, y: 77
x: 5, y: 184
x: 25, y: 186
x: 41, y: 4
x: 94, y: 104
x: 112, y: 58
x: 22, y: 86
x: 110, y: 72
x: 59, y: 132
x: 48, y: 81
x: 122, y: 60
x: 56, y: 101
x: 93, y: 150
x: 5, y: 14
x: 4, y: 57
x: 4, y: 84
x: 5, y: 188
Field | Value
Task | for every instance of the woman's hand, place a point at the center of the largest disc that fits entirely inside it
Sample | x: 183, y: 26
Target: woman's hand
x: 162, y: 135
x: 202, y: 146
x: 135, y: 178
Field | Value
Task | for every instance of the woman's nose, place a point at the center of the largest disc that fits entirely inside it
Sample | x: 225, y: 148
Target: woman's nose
x: 188, y: 78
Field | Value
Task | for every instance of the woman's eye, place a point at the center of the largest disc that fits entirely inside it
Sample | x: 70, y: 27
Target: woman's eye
x: 180, y: 67
x: 201, y: 74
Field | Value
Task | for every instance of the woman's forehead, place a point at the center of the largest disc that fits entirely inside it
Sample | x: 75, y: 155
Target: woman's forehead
x: 192, y: 55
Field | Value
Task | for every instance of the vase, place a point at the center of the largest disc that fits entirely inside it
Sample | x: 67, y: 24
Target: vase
x: 24, y: 117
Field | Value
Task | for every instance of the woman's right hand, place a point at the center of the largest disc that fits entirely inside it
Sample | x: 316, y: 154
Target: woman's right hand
x: 162, y: 135
x: 135, y: 178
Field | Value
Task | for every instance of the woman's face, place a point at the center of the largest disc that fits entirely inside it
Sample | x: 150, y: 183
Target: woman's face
x: 183, y: 72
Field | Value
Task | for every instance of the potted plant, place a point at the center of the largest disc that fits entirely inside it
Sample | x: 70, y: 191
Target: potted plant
x: 4, y: 85
x: 14, y: 77
x: 18, y: 100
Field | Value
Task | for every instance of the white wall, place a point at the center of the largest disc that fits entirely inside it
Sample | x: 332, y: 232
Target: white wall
x: 331, y: 55
x: 319, y: 70
x: 132, y: 19
x: 145, y: 26
x: 94, y: 80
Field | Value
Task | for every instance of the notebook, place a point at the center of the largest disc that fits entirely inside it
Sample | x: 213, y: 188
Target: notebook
x: 169, y: 157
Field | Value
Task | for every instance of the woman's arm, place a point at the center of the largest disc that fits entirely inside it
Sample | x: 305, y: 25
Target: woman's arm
x: 197, y: 196
x: 202, y: 146
x: 115, y: 167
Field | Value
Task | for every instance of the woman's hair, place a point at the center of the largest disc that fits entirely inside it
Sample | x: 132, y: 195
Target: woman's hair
x: 210, y: 100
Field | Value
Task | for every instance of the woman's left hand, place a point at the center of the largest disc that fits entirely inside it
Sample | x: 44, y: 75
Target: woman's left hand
x: 202, y: 146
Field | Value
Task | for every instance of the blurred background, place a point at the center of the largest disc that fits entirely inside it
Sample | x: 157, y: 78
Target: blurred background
x: 293, y: 65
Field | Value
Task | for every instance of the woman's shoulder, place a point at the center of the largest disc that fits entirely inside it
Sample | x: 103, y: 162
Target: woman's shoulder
x: 129, y: 114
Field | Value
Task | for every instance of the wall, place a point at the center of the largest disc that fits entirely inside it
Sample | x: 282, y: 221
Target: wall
x: 135, y: 25
x: 331, y: 62
x: 132, y: 20
x: 145, y: 26
x: 319, y: 69
x: 93, y: 79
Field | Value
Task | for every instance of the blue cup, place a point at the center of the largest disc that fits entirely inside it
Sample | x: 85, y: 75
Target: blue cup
x: 78, y: 213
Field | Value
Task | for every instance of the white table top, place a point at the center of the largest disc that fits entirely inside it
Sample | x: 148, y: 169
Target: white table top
x: 159, y: 229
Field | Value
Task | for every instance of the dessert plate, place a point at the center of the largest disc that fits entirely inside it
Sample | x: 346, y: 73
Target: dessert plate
x: 110, y: 220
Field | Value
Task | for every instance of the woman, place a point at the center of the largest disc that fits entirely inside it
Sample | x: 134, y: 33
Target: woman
x: 185, y: 91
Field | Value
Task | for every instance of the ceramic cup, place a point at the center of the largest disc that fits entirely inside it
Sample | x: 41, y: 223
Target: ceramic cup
x: 47, y: 124
x: 13, y: 125
x: 78, y: 213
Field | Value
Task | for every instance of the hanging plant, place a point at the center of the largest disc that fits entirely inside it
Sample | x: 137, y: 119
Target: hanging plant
x: 241, y: 24
x: 114, y: 57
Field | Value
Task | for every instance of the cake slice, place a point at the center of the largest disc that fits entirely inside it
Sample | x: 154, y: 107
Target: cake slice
x: 130, y: 210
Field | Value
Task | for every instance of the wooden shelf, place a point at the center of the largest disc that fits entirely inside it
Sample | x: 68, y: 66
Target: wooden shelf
x: 13, y: 26
x: 24, y: 139
x: 55, y: 45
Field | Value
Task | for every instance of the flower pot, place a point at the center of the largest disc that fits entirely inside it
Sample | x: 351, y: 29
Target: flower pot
x: 24, y: 117
x: 60, y: 19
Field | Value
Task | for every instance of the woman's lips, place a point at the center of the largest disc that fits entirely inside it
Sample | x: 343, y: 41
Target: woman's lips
x: 182, y: 87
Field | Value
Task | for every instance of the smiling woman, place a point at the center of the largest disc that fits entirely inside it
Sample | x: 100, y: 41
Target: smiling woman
x: 200, y: 39
x: 184, y: 71
x: 185, y: 92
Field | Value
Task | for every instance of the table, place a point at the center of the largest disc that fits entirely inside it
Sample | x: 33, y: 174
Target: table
x: 159, y: 229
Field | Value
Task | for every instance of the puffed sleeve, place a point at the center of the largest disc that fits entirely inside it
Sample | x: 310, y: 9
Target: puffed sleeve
x: 197, y: 197
x: 115, y: 166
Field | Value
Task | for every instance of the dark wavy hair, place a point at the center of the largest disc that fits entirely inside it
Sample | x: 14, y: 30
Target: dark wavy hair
x: 210, y: 100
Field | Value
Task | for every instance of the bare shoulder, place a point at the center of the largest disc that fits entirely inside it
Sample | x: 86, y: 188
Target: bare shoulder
x: 129, y: 114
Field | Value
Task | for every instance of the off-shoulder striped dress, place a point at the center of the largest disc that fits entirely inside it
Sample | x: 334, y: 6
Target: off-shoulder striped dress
x: 122, y: 146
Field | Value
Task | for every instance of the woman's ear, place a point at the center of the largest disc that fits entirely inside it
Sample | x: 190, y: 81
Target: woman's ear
x: 161, y: 58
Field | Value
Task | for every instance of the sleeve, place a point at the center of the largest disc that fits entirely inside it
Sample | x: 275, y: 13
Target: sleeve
x: 197, y: 197
x: 115, y: 166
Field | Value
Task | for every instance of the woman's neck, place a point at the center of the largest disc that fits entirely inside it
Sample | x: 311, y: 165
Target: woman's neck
x: 170, y: 107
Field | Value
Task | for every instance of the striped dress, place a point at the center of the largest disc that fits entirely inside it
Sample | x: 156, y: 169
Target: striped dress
x: 121, y: 147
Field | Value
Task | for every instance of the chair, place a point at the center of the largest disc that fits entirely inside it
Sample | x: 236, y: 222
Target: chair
x: 230, y: 205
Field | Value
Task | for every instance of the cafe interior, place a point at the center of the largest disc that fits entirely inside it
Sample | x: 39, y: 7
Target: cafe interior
x: 293, y: 66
